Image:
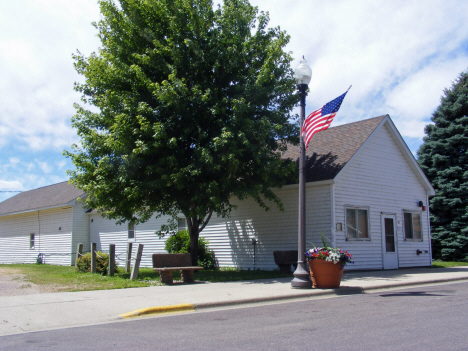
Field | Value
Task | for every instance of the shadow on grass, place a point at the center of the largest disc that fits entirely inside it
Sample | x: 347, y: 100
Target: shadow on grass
x: 221, y: 275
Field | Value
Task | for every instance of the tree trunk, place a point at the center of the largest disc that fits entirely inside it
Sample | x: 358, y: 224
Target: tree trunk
x: 194, y: 247
x: 194, y: 232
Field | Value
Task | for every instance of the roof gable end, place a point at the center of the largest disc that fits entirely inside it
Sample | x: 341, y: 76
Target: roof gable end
x: 401, y: 145
x: 330, y: 150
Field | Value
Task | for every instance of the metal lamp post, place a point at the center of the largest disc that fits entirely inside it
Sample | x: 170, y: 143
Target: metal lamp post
x: 301, y: 279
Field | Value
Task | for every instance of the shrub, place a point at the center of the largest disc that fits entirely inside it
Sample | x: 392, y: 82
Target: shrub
x: 180, y: 243
x: 102, y: 263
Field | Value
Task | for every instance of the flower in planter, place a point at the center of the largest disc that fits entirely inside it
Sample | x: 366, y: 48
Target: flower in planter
x: 331, y: 254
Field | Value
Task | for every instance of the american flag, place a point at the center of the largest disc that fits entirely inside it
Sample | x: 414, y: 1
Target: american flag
x: 321, y: 119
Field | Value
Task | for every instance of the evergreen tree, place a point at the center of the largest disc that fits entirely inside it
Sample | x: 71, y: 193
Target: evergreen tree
x: 444, y: 158
x: 189, y: 105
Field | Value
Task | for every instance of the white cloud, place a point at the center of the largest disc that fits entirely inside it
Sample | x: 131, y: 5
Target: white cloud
x: 44, y: 166
x: 11, y: 185
x: 37, y: 69
x: 22, y: 173
x: 14, y: 160
x: 61, y: 164
x: 398, y: 55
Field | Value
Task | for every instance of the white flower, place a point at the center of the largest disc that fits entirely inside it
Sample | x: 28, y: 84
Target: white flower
x: 334, y: 256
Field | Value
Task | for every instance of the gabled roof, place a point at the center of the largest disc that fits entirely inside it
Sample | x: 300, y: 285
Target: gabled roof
x: 330, y: 150
x: 51, y: 196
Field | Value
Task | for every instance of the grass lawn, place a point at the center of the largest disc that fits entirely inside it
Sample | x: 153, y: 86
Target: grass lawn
x: 442, y: 264
x: 64, y: 278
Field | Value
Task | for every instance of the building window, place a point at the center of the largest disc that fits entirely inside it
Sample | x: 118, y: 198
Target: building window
x: 31, y: 240
x: 413, y: 225
x: 357, y: 223
x: 181, y: 224
x: 131, y: 231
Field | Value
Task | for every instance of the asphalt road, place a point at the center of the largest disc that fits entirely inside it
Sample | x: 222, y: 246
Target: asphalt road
x: 423, y: 318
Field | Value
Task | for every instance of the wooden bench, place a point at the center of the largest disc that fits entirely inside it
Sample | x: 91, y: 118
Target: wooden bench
x: 165, y: 264
x: 284, y: 260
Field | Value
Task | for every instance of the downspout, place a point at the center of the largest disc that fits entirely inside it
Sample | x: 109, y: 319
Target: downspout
x: 72, y: 257
x: 429, y: 229
x: 333, y: 226
x: 39, y: 230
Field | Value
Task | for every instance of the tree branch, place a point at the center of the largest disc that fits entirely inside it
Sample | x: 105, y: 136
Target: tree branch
x: 205, y: 222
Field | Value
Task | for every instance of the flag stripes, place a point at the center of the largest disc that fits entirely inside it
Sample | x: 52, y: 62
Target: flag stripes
x: 321, y: 118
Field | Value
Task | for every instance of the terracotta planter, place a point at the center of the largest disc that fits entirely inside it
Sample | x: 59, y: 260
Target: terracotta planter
x: 325, y: 274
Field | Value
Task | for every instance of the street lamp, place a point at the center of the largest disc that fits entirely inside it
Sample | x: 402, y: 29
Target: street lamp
x: 301, y: 279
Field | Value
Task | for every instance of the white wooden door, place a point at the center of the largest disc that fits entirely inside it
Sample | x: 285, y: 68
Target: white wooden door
x: 389, y: 242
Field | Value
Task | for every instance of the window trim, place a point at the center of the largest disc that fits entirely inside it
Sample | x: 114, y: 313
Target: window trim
x: 185, y: 223
x: 32, y: 241
x: 404, y: 225
x: 354, y: 207
x: 129, y: 230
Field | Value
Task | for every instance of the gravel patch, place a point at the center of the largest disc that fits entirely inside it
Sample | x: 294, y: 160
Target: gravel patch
x: 14, y: 284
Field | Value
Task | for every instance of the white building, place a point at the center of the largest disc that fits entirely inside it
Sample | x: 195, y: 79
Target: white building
x: 365, y: 192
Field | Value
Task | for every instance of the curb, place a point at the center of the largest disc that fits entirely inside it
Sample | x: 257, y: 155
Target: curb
x: 343, y: 290
x: 426, y: 282
x: 182, y: 307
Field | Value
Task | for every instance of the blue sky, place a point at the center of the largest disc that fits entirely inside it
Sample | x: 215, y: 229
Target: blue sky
x: 398, y: 55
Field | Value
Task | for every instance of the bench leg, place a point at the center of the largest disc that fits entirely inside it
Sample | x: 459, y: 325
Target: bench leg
x: 166, y: 277
x: 187, y: 276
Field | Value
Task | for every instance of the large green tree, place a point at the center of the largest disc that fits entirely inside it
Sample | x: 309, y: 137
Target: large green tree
x: 192, y: 102
x: 444, y: 158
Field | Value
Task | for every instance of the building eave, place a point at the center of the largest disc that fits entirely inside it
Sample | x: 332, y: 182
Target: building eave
x: 67, y: 205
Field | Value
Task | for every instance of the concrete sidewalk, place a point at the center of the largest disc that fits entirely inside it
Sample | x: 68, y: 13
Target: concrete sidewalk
x: 19, y: 314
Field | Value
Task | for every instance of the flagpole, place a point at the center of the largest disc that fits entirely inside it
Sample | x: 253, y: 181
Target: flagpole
x: 301, y: 274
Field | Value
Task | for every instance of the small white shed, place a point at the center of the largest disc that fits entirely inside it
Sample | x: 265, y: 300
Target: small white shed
x: 46, y: 222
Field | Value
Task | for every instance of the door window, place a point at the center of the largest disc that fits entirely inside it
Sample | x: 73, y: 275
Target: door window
x: 389, y: 235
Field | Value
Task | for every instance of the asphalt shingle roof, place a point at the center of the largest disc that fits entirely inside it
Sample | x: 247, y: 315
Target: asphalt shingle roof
x: 48, y: 196
x: 331, y: 149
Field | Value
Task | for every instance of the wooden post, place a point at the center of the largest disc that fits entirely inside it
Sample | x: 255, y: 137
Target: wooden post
x: 93, y: 257
x: 111, y: 259
x: 79, y: 252
x: 136, y: 266
x: 129, y: 257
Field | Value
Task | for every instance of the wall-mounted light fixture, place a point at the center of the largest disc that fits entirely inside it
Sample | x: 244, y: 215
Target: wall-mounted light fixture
x: 60, y: 228
x: 421, y: 204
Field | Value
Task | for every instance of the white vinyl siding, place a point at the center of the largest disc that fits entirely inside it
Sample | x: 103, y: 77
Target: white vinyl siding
x: 231, y: 238
x: 104, y: 232
x: 50, y: 241
x: 80, y: 228
x: 379, y: 178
